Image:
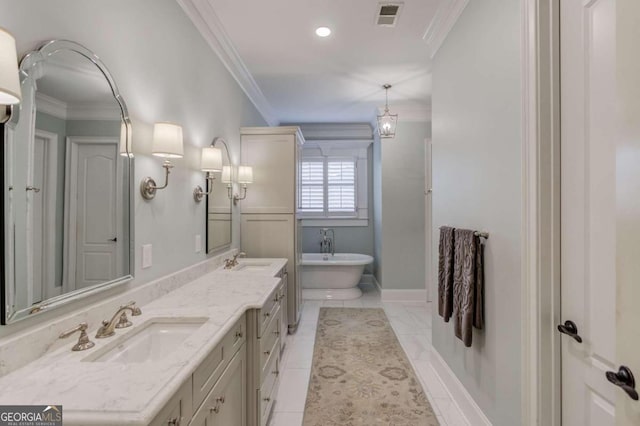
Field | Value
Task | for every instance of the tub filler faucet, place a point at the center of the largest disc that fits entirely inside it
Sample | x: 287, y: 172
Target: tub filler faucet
x: 327, y: 244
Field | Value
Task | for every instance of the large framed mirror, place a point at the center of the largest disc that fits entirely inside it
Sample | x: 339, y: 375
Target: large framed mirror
x: 67, y: 181
x: 219, y: 215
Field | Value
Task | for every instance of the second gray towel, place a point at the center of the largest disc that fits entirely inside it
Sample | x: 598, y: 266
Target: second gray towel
x: 467, y: 284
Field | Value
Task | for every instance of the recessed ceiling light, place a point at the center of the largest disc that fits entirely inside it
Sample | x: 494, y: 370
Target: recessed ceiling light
x: 323, y: 31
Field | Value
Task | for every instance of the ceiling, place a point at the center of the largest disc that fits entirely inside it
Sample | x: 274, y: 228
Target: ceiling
x: 305, y: 78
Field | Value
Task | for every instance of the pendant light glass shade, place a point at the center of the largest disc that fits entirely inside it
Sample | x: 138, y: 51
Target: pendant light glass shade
x: 167, y: 140
x: 211, y: 159
x: 387, y: 122
x: 10, y: 93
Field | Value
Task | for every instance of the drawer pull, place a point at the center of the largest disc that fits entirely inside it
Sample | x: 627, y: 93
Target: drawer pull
x: 174, y: 422
x: 239, y: 334
x: 267, y: 352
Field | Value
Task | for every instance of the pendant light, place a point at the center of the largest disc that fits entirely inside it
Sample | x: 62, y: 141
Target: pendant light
x: 387, y: 121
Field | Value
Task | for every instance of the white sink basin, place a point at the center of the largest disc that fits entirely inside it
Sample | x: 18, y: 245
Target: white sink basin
x: 149, y: 342
x: 246, y: 265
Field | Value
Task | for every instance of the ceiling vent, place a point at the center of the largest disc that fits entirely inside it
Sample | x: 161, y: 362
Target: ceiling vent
x: 388, y: 13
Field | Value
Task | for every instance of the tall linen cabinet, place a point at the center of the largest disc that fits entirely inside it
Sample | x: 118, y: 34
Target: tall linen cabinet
x: 269, y: 227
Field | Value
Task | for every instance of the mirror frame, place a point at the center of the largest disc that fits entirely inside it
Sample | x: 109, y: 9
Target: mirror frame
x: 221, y: 248
x: 9, y: 315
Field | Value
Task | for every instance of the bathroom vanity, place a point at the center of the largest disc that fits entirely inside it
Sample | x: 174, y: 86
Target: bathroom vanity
x: 206, y: 353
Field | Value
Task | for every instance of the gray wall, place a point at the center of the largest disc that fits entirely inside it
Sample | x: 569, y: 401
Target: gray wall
x: 166, y: 72
x: 403, y: 214
x: 476, y: 184
x: 349, y: 239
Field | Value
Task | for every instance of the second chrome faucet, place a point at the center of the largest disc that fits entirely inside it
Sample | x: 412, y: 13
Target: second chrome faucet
x: 119, y: 320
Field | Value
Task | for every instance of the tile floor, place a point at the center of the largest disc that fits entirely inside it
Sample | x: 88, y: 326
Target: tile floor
x: 412, y: 323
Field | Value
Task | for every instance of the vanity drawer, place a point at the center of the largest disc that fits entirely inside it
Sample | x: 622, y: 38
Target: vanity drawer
x: 214, y: 364
x: 270, y: 342
x: 268, y: 310
x: 178, y: 410
x: 267, y: 393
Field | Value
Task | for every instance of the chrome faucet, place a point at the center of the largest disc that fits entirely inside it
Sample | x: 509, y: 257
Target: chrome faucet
x: 230, y: 263
x: 107, y: 328
x: 327, y: 243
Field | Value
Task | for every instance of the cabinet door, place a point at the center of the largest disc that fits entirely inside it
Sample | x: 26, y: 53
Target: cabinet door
x: 273, y: 158
x: 268, y: 235
x: 226, y: 404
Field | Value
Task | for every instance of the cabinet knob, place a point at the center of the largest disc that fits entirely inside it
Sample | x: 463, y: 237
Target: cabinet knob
x: 267, y: 314
x: 276, y: 372
x: 267, y: 352
x: 266, y: 399
x: 215, y: 409
x: 174, y: 421
x: 239, y: 334
x: 220, y: 400
x: 277, y: 333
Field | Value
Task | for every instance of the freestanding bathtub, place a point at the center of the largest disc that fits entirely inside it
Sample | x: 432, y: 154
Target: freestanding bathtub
x: 326, y: 276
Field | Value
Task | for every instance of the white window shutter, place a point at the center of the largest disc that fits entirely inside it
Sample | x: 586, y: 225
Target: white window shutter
x: 341, y: 186
x: 312, y: 186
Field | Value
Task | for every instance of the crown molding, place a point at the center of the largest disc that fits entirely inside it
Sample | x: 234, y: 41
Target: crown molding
x: 336, y: 131
x: 409, y: 112
x: 50, y: 105
x: 210, y: 27
x: 64, y: 111
x: 446, y: 17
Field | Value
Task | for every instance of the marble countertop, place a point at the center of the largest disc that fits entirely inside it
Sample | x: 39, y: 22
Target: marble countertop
x: 109, y: 393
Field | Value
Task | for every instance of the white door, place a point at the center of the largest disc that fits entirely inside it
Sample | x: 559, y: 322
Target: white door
x: 590, y: 164
x: 93, y: 207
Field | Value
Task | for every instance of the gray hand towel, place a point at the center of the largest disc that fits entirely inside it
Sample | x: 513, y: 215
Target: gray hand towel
x: 445, y: 273
x: 467, y: 284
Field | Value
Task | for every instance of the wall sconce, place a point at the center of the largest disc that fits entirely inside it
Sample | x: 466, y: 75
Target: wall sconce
x: 211, y: 162
x: 167, y: 143
x: 10, y: 93
x: 245, y: 176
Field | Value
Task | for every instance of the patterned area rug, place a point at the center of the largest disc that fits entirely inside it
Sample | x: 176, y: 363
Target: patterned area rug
x: 361, y: 376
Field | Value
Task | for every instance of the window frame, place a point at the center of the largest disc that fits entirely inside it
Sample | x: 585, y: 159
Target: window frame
x: 360, y: 159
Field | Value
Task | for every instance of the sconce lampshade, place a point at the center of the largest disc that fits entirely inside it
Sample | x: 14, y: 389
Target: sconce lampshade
x: 9, y: 80
x: 167, y: 140
x: 125, y: 140
x: 211, y: 159
x: 245, y: 174
x: 226, y: 174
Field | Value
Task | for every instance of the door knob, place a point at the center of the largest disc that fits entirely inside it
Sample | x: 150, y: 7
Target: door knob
x: 624, y: 379
x: 570, y: 329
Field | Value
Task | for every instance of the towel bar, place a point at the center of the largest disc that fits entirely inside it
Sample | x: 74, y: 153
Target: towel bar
x: 484, y: 235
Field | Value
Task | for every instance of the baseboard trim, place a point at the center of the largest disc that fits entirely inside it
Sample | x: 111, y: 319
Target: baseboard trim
x: 370, y: 279
x: 457, y: 391
x: 404, y: 295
